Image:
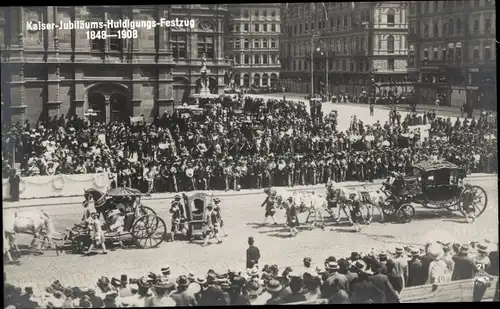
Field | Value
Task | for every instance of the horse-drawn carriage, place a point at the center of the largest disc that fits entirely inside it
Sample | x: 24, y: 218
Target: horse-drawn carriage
x: 119, y: 207
x: 434, y: 185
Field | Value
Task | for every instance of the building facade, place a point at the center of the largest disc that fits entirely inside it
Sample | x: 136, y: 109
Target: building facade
x: 452, y: 52
x: 63, y: 72
x: 352, y: 46
x: 252, y: 43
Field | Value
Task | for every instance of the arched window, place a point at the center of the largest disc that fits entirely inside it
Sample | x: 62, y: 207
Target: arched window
x: 451, y: 26
x: 391, y: 19
x: 237, y: 79
x: 390, y: 44
x: 246, y: 80
x: 256, y: 80
x: 344, y: 44
x: 274, y: 79
x: 357, y: 43
x: 265, y: 80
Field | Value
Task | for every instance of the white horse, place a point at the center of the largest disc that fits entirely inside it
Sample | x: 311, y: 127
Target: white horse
x: 36, y: 223
x: 311, y: 202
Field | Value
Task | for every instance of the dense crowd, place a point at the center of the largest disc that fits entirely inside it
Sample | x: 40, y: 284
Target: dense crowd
x: 272, y: 143
x: 359, y: 278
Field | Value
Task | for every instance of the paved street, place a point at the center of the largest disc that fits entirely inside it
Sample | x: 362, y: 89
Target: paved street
x: 243, y: 218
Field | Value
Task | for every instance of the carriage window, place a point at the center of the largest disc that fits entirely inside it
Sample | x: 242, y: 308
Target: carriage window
x: 198, y: 206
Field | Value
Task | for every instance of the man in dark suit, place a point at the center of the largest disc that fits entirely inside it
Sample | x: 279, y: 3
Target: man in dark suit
x: 253, y: 254
x: 464, y: 265
x: 426, y: 262
x: 416, y: 276
x: 334, y: 281
x: 213, y: 295
x: 14, y: 182
x: 183, y: 297
x: 381, y: 281
x: 493, y: 269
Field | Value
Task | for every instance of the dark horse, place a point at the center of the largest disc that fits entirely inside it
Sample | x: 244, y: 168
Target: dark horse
x: 104, y: 203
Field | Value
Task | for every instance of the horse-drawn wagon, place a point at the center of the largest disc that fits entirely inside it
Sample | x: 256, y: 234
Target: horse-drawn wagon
x: 123, y: 215
x: 434, y: 185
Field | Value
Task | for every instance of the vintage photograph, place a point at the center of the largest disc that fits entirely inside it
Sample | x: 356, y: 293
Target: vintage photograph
x: 249, y: 154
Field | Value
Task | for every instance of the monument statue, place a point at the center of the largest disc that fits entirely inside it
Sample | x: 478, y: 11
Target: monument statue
x: 204, y: 90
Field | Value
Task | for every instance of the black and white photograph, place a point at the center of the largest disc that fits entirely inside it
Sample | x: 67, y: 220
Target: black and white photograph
x: 249, y: 154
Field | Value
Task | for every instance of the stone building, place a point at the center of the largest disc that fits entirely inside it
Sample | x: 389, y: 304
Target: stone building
x: 253, y: 44
x: 452, y: 52
x: 353, y: 42
x: 63, y: 72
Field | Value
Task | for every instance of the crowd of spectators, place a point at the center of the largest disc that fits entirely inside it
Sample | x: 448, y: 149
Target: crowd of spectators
x: 272, y: 143
x: 359, y: 278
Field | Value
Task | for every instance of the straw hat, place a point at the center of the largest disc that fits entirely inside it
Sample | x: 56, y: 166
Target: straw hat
x: 254, y: 288
x: 274, y: 286
x: 332, y: 266
x: 435, y: 251
x: 182, y: 281
x: 482, y: 248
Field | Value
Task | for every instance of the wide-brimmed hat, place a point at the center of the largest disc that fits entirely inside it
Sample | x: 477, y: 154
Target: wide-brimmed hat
x: 482, y: 248
x: 162, y: 283
x: 331, y: 266
x: 399, y: 250
x: 355, y: 256
x: 435, y: 251
x: 274, y: 286
x: 464, y: 249
x: 414, y: 252
x: 225, y: 285
x: 253, y: 272
x: 238, y: 282
x: 361, y: 266
x: 254, y: 288
x: 201, y: 280
x: 182, y: 281
x: 165, y: 269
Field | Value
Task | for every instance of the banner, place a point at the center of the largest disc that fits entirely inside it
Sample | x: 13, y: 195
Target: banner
x: 58, y: 185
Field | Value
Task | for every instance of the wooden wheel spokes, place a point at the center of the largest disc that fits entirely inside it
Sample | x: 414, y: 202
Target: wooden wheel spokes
x: 149, y: 231
x: 145, y: 210
x: 479, y: 201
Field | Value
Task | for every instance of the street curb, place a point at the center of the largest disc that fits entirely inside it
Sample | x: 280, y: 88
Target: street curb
x: 168, y: 196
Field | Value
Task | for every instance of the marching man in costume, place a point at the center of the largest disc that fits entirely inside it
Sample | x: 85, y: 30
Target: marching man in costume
x: 177, y: 212
x: 292, y: 220
x: 218, y: 211
x: 212, y: 226
x: 269, y: 203
x: 97, y: 233
x: 356, y: 217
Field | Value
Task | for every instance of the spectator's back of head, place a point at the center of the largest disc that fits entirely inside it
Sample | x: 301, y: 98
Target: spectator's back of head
x: 296, y: 284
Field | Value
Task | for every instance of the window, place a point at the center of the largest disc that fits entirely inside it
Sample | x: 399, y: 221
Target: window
x: 476, y: 26
x: 273, y: 13
x: 256, y: 26
x: 273, y: 59
x: 237, y: 79
x: 487, y: 52
x: 362, y: 42
x: 245, y: 14
x: 345, y: 21
x: 237, y: 44
x: 247, y: 59
x: 426, y: 54
x: 178, y: 45
x: 306, y: 27
x: 435, y: 54
x: 231, y: 28
x: 458, y: 52
x: 344, y: 65
x: 436, y: 6
x: 435, y: 30
x: 256, y: 44
x: 331, y: 23
x: 351, y: 67
x: 246, y: 44
x: 312, y: 26
x: 98, y: 45
x: 264, y: 13
x: 264, y: 27
x: 390, y: 64
x: 246, y: 27
x: 390, y: 44
x: 338, y: 22
x: 273, y: 28
x: 379, y: 42
x: 426, y: 30
x: 264, y: 43
x: 256, y: 59
x: 206, y: 46
x: 256, y: 79
x: 237, y: 28
x: 391, y: 17
x: 476, y: 3
x: 361, y: 66
x: 273, y: 43
x: 443, y: 54
x: 487, y: 25
x: 264, y: 59
x: 451, y: 26
x: 459, y: 26
x: 475, y: 54
x: 337, y: 65
x: 257, y: 13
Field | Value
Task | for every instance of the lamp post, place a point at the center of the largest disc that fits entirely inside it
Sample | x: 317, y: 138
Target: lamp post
x: 314, y: 39
x: 324, y: 52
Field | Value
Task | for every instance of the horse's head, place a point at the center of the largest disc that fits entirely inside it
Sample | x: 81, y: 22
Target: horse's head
x: 49, y: 224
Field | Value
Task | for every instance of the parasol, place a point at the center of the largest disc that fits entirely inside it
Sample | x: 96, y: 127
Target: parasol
x: 124, y: 191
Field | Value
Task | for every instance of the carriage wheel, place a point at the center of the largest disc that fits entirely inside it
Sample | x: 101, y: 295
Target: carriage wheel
x: 80, y: 244
x: 479, y: 202
x: 405, y: 213
x: 367, y: 213
x: 145, y: 210
x: 389, y: 210
x: 149, y: 231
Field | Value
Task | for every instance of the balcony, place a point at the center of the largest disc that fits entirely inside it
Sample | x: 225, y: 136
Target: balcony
x: 359, y: 53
